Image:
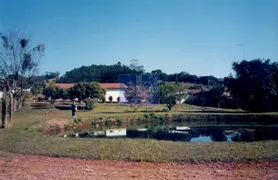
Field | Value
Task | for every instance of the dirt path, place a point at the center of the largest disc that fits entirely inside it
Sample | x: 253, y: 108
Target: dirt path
x: 19, y: 167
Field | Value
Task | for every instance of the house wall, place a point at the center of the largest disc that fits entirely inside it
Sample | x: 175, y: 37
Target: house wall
x: 115, y: 93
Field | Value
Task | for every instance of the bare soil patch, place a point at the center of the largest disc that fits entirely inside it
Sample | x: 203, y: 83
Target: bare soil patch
x: 41, y: 167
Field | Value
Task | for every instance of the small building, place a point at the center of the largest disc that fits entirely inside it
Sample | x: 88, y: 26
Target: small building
x: 115, y: 90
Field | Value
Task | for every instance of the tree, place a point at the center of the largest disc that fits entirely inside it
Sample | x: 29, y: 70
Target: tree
x: 51, y: 75
x: 37, y: 88
x: 137, y: 69
x: 162, y: 75
x: 171, y: 93
x: 18, y: 64
x: 136, y: 96
x: 52, y: 91
x: 86, y: 90
x: 255, y: 84
x: 97, y: 73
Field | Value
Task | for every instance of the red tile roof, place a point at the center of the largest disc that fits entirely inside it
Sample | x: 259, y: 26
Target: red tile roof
x: 103, y: 85
x: 112, y: 85
x: 65, y: 86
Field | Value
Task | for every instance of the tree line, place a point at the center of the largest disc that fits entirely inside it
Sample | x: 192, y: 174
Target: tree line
x: 111, y: 74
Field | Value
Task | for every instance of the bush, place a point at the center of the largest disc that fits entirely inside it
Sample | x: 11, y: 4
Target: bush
x: 91, y: 103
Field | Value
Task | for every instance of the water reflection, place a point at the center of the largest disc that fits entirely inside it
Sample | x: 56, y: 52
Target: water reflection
x: 193, y: 134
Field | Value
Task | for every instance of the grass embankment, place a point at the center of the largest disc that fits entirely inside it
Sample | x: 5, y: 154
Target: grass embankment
x: 18, y: 140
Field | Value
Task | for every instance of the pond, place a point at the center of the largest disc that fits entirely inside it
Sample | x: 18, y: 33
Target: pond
x: 186, y: 133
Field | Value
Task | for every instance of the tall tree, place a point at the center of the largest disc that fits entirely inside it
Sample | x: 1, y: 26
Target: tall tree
x: 85, y: 90
x: 18, y: 64
x: 254, y: 84
x: 171, y: 93
x: 52, y: 91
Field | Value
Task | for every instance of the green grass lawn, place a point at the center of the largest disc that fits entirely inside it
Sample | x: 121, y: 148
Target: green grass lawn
x: 19, y: 139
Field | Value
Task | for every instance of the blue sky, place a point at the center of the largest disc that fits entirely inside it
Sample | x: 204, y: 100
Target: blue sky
x: 201, y: 37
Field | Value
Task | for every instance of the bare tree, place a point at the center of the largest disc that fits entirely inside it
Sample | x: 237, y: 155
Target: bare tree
x: 18, y: 64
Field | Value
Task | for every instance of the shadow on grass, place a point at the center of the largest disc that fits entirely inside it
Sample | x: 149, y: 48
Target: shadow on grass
x: 220, y: 112
x: 68, y: 107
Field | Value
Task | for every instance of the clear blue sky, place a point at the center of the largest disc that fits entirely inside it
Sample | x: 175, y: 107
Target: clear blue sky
x: 201, y: 37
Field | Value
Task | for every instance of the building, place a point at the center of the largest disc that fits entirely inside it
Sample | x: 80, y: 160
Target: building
x: 1, y: 94
x: 114, y: 90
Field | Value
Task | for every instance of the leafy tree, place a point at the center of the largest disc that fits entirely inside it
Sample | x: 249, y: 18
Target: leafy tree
x: 171, y: 93
x: 64, y: 94
x: 213, y: 97
x: 37, y: 88
x: 136, y: 96
x: 18, y: 64
x: 97, y: 73
x: 162, y: 75
x: 86, y: 90
x: 217, y: 95
x: 52, y: 91
x: 51, y: 75
x: 254, y: 84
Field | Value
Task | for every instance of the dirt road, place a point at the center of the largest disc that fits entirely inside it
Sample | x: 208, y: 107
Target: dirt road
x: 25, y: 167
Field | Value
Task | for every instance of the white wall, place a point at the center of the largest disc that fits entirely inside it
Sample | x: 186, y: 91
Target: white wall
x: 115, y: 93
x: 1, y: 94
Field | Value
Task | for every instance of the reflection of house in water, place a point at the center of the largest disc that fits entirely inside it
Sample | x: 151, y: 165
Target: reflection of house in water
x: 115, y: 132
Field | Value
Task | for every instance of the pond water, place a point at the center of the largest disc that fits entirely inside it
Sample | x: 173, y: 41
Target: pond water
x: 186, y: 133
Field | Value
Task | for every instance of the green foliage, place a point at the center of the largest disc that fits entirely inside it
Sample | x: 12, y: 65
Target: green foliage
x: 77, y: 121
x: 170, y: 93
x: 146, y: 116
x: 119, y: 121
x: 108, y: 122
x: 91, y: 103
x: 255, y: 84
x: 212, y: 97
x: 98, y: 73
x: 53, y: 91
x: 84, y: 90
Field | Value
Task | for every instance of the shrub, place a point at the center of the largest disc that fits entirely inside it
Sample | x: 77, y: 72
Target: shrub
x: 91, y: 103
x: 152, y: 115
x: 77, y: 121
x: 119, y: 122
x: 110, y: 99
x: 146, y: 115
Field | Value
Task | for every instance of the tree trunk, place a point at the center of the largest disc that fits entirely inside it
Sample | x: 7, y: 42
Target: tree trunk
x: 4, y: 110
x: 169, y: 107
x: 11, y: 106
x: 15, y: 104
x: 20, y: 103
x: 86, y: 104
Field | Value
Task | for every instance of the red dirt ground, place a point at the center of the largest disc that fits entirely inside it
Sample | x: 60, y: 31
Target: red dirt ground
x: 23, y: 167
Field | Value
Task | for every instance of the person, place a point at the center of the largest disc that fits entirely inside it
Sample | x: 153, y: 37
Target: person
x: 73, y: 108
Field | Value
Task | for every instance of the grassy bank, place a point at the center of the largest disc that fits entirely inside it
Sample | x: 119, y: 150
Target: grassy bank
x: 19, y: 140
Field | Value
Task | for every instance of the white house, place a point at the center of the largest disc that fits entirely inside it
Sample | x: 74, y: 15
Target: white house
x: 112, y: 89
